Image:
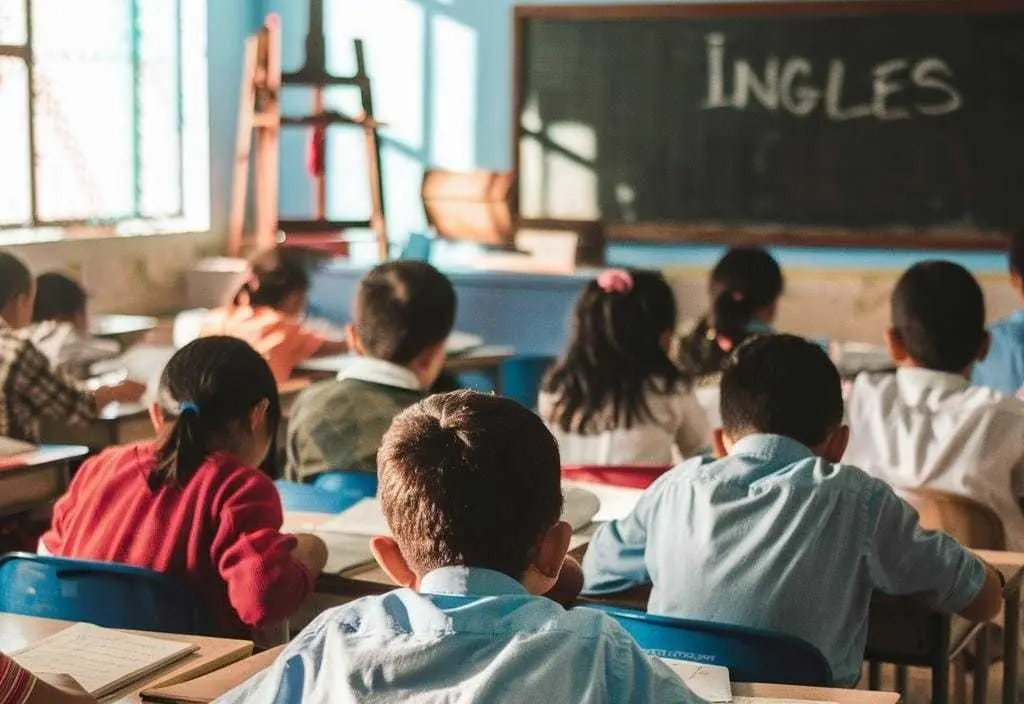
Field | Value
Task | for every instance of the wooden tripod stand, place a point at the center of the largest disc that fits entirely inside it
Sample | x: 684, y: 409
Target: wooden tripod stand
x: 260, y: 122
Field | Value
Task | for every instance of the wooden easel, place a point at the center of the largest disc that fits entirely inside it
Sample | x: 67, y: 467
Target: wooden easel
x: 260, y: 121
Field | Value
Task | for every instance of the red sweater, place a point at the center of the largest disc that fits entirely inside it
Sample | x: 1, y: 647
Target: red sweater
x: 219, y: 533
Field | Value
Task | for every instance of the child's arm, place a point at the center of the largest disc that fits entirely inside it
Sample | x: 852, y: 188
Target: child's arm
x: 127, y: 391
x: 47, y: 392
x: 310, y: 551
x: 569, y: 584
x: 989, y: 600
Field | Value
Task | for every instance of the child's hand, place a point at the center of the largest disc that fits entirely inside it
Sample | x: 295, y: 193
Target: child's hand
x: 310, y: 551
x: 569, y: 583
x: 126, y: 392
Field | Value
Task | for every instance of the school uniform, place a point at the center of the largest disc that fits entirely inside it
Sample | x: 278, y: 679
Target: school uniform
x: 219, y: 533
x: 774, y: 537
x: 68, y: 349
x: 484, y: 638
x: 678, y: 429
x: 923, y: 429
x: 1003, y: 366
x: 339, y: 424
x: 283, y: 341
x: 30, y: 389
x: 16, y: 683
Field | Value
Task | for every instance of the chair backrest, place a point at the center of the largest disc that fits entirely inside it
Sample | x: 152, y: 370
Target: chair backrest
x: 306, y: 497
x: 521, y: 376
x: 103, y: 593
x: 360, y: 485
x: 631, y: 477
x: 974, y: 525
x: 752, y: 655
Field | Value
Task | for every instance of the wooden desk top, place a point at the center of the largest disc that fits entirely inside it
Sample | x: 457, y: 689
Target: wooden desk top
x: 43, y: 456
x: 121, y: 325
x: 17, y: 632
x: 477, y: 358
x: 821, y: 694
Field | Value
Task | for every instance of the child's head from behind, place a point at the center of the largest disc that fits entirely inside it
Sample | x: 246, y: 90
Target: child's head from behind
x: 621, y: 333
x: 938, y: 318
x: 60, y: 298
x: 745, y: 285
x: 216, y: 394
x: 472, y: 480
x: 403, y: 313
x: 277, y: 279
x: 17, y: 291
x: 783, y: 385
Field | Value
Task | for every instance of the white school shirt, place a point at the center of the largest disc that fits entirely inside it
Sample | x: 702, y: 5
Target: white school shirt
x: 68, y: 349
x: 923, y: 429
x: 678, y: 430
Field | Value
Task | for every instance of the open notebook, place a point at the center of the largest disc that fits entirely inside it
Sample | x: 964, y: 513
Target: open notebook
x: 367, y: 519
x: 711, y: 683
x: 9, y: 447
x: 101, y: 660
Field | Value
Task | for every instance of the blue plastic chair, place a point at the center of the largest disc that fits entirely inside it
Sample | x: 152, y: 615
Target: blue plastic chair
x: 360, y: 485
x: 306, y: 497
x: 103, y: 593
x: 751, y: 654
x: 520, y: 377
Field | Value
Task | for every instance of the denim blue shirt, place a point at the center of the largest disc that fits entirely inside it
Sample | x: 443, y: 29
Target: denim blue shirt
x: 774, y: 537
x: 499, y: 644
x: 1003, y: 367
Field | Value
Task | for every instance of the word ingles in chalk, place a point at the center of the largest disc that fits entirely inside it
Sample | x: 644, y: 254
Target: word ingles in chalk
x: 900, y: 88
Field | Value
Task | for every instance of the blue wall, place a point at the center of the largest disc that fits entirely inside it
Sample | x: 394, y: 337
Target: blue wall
x: 442, y: 71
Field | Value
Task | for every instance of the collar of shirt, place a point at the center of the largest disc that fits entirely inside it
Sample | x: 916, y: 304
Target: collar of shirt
x: 777, y: 448
x: 378, y: 371
x: 756, y: 326
x: 916, y: 383
x: 470, y: 581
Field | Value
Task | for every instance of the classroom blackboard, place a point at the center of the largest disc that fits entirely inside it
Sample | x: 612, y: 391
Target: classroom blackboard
x: 894, y: 124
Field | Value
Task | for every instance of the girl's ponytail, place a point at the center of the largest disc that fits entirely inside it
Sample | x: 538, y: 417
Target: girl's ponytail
x: 730, y: 315
x: 182, y: 449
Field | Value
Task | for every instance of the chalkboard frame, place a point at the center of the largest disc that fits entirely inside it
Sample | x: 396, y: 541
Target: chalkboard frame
x: 664, y: 233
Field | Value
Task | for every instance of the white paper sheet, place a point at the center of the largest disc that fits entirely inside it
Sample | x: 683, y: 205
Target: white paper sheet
x: 709, y: 682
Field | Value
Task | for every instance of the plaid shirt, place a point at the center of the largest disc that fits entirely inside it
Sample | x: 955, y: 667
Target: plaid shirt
x: 15, y: 683
x: 31, y: 389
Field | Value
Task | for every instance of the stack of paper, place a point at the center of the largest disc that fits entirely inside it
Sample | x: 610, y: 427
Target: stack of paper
x: 101, y: 660
x: 711, y: 683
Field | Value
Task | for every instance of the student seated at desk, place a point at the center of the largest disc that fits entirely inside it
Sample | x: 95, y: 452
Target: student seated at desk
x: 30, y: 388
x: 192, y: 504
x: 777, y: 534
x: 615, y: 397
x: 19, y: 686
x: 745, y: 287
x: 402, y: 315
x: 267, y: 310
x: 60, y: 327
x: 470, y: 486
x: 1003, y: 366
x: 926, y: 427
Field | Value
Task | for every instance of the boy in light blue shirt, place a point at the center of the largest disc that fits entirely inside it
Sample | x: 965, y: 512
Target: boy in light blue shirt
x: 777, y: 534
x: 1003, y: 366
x: 470, y: 486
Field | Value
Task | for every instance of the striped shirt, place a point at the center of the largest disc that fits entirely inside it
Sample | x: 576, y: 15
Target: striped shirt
x: 16, y: 683
x: 31, y: 389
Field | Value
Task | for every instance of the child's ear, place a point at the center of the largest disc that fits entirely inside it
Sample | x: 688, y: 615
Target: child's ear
x: 983, y: 349
x: 352, y: 337
x: 720, y: 443
x: 835, y: 446
x: 156, y: 417
x: 390, y: 558
x: 542, y: 575
x: 894, y: 342
x: 258, y: 415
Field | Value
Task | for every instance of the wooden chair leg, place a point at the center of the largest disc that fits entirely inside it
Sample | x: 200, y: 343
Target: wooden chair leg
x: 940, y: 681
x: 901, y: 681
x: 981, y: 667
x: 960, y: 680
x: 874, y: 676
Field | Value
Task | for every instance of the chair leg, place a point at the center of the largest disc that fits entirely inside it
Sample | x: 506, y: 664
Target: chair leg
x: 981, y: 667
x: 874, y: 675
x: 901, y: 681
x: 960, y: 679
x: 940, y: 681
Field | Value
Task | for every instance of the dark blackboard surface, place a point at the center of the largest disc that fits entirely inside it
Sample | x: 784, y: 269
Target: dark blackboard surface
x: 618, y: 119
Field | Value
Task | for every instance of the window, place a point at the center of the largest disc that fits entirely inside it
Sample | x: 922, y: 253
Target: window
x: 102, y: 113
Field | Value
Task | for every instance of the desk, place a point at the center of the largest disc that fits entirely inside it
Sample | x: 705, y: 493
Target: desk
x: 17, y: 632
x: 820, y: 694
x: 117, y: 424
x: 36, y: 479
x: 484, y: 359
x: 125, y: 329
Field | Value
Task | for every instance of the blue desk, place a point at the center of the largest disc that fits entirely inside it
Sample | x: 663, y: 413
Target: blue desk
x: 529, y: 312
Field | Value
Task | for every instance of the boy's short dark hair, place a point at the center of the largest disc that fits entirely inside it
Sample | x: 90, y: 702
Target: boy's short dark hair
x: 15, y: 278
x: 468, y: 479
x: 938, y: 313
x: 402, y: 308
x: 782, y: 385
x: 58, y: 297
x: 1015, y: 249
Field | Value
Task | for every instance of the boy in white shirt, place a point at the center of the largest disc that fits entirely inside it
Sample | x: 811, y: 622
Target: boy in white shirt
x: 925, y: 427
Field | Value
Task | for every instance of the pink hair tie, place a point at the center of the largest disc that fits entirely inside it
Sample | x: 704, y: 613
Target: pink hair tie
x: 615, y: 281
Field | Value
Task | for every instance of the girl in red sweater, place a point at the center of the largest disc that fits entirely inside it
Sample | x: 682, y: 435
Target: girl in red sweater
x: 192, y: 504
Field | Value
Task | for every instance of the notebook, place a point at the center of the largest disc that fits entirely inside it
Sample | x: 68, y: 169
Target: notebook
x: 709, y: 682
x: 101, y: 660
x: 9, y: 447
x: 210, y: 687
x: 367, y: 519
